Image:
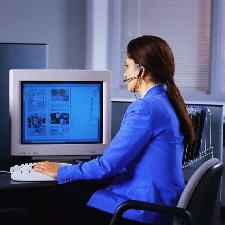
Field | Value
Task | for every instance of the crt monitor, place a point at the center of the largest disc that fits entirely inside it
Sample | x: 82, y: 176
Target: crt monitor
x: 59, y: 114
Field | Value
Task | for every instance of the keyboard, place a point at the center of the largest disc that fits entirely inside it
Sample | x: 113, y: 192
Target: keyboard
x: 25, y: 172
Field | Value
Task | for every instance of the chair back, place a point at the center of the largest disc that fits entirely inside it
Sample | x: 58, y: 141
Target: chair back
x: 200, y: 194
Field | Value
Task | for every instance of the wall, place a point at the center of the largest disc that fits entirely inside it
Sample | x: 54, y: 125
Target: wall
x: 59, y: 23
x: 97, y: 34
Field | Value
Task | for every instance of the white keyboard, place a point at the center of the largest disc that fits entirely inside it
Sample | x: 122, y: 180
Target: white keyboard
x: 24, y: 172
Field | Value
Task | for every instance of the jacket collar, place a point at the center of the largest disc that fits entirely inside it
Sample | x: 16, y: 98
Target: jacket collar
x: 155, y: 89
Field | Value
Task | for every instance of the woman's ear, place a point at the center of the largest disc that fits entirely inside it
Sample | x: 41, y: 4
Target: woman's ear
x: 145, y: 75
x: 141, y: 72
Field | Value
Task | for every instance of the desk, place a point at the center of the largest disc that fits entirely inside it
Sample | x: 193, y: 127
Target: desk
x: 22, y: 202
x: 7, y: 183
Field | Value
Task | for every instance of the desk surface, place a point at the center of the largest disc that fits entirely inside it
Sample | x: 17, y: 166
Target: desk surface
x: 6, y: 182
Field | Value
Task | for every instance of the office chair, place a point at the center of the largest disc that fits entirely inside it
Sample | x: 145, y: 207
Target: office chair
x: 196, y: 204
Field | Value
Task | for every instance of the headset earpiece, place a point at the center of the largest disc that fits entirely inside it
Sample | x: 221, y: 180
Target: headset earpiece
x: 140, y: 73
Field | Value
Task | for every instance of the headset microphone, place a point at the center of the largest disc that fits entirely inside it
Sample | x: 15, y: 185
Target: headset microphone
x: 131, y: 78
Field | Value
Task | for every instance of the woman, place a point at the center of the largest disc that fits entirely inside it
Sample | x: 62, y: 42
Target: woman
x: 143, y: 161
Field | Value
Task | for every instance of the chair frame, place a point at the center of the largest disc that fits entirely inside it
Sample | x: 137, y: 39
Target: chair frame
x: 141, y: 205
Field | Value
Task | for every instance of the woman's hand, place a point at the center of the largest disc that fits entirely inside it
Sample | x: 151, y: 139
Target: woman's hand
x: 48, y: 168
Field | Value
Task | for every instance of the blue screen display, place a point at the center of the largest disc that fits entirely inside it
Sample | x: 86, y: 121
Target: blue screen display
x: 61, y: 112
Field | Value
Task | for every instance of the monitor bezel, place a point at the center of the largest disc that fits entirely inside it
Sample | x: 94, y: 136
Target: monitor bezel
x: 78, y: 150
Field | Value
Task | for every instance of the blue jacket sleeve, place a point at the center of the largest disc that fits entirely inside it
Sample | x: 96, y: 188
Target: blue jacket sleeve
x: 134, y: 133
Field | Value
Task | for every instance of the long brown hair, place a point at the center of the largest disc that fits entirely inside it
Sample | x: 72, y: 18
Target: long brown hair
x: 156, y: 56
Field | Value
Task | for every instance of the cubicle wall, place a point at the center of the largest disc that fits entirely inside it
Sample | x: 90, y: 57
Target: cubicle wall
x: 214, y: 134
x: 16, y: 56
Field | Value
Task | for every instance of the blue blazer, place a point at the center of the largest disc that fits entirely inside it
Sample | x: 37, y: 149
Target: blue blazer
x: 145, y: 158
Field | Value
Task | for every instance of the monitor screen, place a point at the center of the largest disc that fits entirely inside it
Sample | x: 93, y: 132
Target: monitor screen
x: 59, y: 114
